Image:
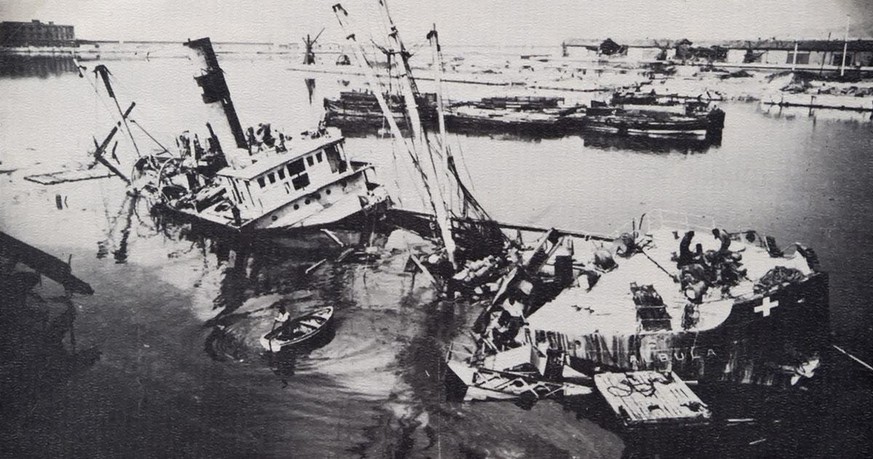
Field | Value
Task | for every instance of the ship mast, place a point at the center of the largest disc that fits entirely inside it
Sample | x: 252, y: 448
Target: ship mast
x: 445, y: 153
x: 467, y: 200
x: 430, y: 181
x: 410, y: 92
x: 372, y: 81
x: 433, y: 38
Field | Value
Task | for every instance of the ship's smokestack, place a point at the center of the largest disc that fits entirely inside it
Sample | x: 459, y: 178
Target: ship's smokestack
x: 215, y: 87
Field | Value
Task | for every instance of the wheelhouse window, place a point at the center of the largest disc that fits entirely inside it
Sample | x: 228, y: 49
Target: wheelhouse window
x: 318, y: 156
x: 272, y: 177
x: 296, y: 167
x: 281, y: 173
x: 301, y: 181
x: 802, y: 57
x: 261, y: 182
x: 310, y: 160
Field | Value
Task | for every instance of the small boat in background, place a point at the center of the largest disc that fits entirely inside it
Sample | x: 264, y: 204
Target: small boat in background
x: 534, y: 114
x: 298, y: 330
x: 601, y: 117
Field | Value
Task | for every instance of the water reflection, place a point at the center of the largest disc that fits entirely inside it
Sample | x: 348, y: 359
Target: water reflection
x: 119, y: 228
x: 38, y: 347
x: 310, y: 88
x: 650, y: 145
x: 521, y: 133
x: 16, y: 66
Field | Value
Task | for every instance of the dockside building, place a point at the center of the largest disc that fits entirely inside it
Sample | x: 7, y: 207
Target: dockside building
x: 36, y: 33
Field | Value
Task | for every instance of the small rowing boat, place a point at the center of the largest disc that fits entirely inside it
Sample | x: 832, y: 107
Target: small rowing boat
x: 298, y: 330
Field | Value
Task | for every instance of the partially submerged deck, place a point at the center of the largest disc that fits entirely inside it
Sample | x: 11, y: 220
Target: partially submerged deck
x: 651, y: 398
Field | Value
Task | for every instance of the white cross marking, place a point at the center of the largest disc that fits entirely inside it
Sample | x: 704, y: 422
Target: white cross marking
x: 766, y: 306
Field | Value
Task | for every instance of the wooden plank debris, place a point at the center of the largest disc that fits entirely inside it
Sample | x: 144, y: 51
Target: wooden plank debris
x: 427, y: 275
x: 73, y: 175
x: 651, y: 398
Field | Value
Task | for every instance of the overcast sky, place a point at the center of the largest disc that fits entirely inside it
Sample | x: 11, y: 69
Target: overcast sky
x: 467, y: 22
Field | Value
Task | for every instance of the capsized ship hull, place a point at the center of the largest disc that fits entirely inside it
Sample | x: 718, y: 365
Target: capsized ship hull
x: 770, y: 339
x: 736, y: 311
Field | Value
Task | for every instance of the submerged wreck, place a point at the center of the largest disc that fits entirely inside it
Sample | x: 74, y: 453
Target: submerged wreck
x: 642, y: 320
x: 287, y: 184
x: 676, y: 297
x: 260, y: 181
x: 734, y: 310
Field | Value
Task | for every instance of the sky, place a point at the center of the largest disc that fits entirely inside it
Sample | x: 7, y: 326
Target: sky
x: 460, y: 22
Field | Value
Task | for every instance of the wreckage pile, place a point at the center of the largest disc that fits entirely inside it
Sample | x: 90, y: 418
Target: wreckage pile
x: 704, y: 314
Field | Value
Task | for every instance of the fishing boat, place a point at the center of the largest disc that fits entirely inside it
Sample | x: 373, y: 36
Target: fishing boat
x: 543, y: 116
x: 358, y: 111
x: 653, y: 123
x: 298, y: 331
x: 261, y: 181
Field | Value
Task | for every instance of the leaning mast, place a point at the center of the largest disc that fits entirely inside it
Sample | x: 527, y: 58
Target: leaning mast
x: 409, y: 90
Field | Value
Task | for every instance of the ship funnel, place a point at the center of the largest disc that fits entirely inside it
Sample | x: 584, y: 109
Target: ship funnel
x: 211, y: 80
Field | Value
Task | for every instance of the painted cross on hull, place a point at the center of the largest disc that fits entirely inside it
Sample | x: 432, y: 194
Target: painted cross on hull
x: 766, y: 306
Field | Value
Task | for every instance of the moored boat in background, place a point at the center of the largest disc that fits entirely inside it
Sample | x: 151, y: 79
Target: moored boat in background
x: 653, y: 123
x: 358, y: 111
x: 539, y: 115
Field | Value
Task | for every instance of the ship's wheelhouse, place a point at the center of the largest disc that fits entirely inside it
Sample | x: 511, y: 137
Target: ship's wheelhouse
x: 284, y: 177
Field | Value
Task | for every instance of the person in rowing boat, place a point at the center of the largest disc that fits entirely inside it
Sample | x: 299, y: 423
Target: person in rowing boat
x: 282, y: 317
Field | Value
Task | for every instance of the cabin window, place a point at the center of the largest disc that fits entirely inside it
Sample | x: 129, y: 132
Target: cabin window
x: 307, y: 201
x: 296, y: 206
x: 316, y: 196
x: 310, y: 160
x: 281, y: 173
x: 837, y: 59
x: 802, y: 58
x: 318, y: 156
x: 296, y: 167
x: 272, y: 177
x: 327, y: 191
x: 300, y: 181
x: 261, y: 182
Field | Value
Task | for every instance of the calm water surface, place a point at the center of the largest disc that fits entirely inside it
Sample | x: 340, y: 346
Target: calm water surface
x: 177, y: 315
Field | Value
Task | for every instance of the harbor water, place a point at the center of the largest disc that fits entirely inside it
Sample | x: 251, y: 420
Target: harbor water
x: 177, y: 314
